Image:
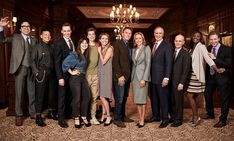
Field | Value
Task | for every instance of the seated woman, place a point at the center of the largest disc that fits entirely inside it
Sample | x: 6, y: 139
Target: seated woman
x: 75, y: 63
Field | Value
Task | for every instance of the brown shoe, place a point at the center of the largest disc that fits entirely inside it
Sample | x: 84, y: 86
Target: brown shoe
x: 220, y: 124
x: 18, y: 121
x: 119, y: 124
x: 206, y: 116
x: 126, y: 119
x: 32, y: 116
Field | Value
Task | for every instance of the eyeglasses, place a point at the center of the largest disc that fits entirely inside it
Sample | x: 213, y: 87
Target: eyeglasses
x: 25, y: 25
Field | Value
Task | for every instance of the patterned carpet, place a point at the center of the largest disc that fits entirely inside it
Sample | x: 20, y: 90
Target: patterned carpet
x: 150, y: 132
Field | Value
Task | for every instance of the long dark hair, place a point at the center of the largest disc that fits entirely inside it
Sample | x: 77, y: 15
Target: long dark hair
x: 78, y: 49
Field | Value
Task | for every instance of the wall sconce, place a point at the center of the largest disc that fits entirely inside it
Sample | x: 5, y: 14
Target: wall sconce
x: 14, y: 20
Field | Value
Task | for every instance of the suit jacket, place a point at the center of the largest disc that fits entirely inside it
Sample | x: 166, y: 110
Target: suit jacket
x: 18, y: 49
x: 199, y: 59
x: 61, y: 51
x: 141, y: 63
x: 161, y: 63
x: 223, y: 60
x: 181, y: 68
x: 121, y: 61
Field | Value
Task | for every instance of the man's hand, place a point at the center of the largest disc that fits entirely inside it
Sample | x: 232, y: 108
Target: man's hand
x: 165, y: 82
x: 4, y: 21
x: 121, y: 81
x: 180, y: 87
x: 220, y: 70
x: 61, y: 82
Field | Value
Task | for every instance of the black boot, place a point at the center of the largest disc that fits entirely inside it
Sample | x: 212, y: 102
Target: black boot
x: 39, y: 121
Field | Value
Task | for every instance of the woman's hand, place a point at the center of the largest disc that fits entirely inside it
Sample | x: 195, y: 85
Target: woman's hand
x: 74, y: 72
x: 142, y: 83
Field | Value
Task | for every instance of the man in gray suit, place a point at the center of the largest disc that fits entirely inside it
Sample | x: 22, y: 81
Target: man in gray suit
x: 20, y: 66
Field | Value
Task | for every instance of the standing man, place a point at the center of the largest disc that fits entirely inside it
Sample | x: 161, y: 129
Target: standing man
x: 62, y: 48
x: 222, y: 56
x: 42, y: 66
x: 121, y: 66
x: 161, y: 66
x: 180, y: 73
x: 91, y: 74
x: 20, y: 66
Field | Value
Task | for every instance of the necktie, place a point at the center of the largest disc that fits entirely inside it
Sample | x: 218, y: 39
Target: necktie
x: 213, y: 51
x: 27, y: 41
x: 154, y: 48
x: 71, y: 45
x: 212, y: 72
x: 175, y: 54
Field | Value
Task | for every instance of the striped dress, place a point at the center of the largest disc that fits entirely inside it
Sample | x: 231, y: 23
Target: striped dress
x: 195, y: 86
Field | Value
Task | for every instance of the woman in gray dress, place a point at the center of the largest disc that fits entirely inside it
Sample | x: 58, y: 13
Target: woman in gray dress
x: 141, y: 58
x: 105, y: 76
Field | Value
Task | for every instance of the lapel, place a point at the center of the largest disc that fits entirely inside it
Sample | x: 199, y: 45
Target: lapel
x: 219, y: 51
x: 179, y: 54
x: 139, y: 53
x: 159, y: 47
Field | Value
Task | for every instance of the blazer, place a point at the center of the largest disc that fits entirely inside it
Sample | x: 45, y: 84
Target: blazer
x: 18, y: 49
x: 223, y: 60
x: 121, y: 63
x: 141, y: 64
x: 61, y: 51
x: 181, y: 68
x: 161, y: 63
x: 199, y: 59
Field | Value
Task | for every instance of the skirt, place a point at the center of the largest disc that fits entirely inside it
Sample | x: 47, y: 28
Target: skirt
x: 195, y: 86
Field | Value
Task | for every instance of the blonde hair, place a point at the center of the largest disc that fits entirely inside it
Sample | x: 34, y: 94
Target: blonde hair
x: 105, y: 48
x: 142, y: 36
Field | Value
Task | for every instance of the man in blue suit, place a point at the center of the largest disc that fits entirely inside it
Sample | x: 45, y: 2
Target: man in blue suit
x: 161, y: 67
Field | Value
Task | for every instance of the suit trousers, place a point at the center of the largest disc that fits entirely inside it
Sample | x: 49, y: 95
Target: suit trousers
x: 41, y: 88
x: 177, y: 104
x: 93, y: 83
x: 223, y: 86
x: 63, y: 93
x: 23, y: 82
x: 80, y: 95
x: 159, y: 101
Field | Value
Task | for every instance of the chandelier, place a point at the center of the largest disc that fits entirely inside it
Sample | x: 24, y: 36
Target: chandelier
x: 124, y: 14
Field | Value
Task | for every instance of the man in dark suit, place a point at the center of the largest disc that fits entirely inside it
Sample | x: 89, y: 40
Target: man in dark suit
x: 222, y: 57
x: 62, y: 48
x: 180, y: 73
x: 121, y: 76
x: 20, y: 66
x: 161, y: 66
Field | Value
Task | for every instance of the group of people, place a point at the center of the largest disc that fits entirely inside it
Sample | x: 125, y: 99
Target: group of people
x: 106, y: 70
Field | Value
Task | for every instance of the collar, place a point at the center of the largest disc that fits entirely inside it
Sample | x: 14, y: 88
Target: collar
x: 159, y: 42
x: 25, y: 36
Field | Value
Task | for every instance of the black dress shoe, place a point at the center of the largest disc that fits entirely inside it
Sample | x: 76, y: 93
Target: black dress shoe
x: 39, y: 121
x: 85, y: 121
x: 220, y: 124
x: 176, y: 124
x: 171, y: 120
x: 163, y: 124
x: 63, y: 124
x: 152, y: 119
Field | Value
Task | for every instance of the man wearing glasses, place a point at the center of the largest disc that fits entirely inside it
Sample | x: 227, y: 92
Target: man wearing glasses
x: 20, y: 67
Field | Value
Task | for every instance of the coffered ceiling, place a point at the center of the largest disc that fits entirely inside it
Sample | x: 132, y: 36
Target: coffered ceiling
x: 97, y: 12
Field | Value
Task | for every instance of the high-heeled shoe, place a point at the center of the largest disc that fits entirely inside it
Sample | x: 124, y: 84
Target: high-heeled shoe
x: 108, y: 121
x: 195, y: 123
x: 103, y: 118
x: 85, y: 121
x: 77, y: 123
x: 140, y: 126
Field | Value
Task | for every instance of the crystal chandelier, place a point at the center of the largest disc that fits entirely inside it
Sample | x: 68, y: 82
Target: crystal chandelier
x: 124, y: 14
